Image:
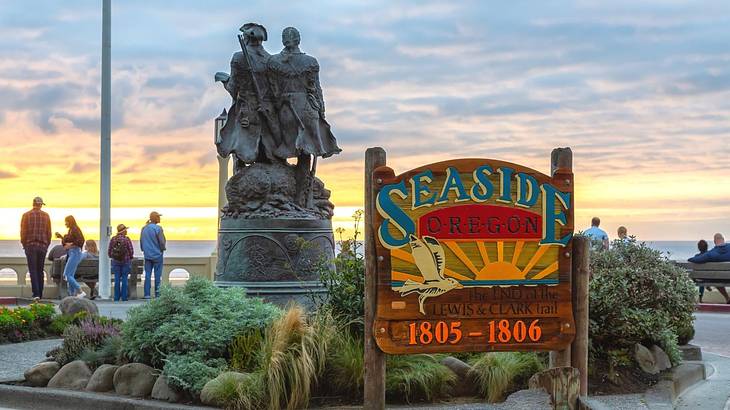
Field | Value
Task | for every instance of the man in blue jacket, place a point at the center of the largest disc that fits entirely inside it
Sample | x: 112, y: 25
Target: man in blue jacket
x: 152, y: 241
x: 720, y: 253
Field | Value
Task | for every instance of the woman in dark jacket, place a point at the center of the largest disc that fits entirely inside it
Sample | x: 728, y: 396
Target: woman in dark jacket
x: 73, y: 241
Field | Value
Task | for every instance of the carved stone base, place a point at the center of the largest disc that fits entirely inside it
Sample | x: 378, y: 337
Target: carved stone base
x: 277, y: 259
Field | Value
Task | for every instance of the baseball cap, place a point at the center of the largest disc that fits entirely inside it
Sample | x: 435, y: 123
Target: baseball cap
x: 38, y: 200
x: 154, y: 213
x: 121, y: 228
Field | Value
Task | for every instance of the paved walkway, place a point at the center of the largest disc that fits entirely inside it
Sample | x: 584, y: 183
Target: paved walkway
x: 713, y: 393
x: 17, y: 357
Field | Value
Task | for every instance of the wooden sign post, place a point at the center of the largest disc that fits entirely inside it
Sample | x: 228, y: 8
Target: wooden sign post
x: 466, y: 255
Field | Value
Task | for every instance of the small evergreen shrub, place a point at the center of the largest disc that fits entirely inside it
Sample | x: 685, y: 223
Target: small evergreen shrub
x: 108, y: 352
x: 636, y: 296
x: 200, y: 319
x: 191, y: 371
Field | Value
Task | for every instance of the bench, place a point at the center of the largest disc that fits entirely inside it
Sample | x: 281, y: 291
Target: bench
x: 88, y: 273
x: 708, y: 274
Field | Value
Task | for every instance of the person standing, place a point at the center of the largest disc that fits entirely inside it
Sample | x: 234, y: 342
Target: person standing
x: 121, y: 253
x: 35, y: 236
x: 152, y: 241
x: 599, y: 237
x: 73, y: 241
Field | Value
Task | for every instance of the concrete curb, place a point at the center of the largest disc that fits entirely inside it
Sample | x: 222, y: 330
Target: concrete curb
x: 713, y: 307
x: 42, y: 398
x: 662, y: 396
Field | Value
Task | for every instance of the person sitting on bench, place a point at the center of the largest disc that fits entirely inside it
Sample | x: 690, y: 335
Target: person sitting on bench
x: 720, y: 253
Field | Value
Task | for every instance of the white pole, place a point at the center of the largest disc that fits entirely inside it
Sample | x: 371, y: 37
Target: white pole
x: 106, y: 151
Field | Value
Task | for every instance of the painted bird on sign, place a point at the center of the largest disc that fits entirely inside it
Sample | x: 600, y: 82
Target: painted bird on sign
x: 431, y: 262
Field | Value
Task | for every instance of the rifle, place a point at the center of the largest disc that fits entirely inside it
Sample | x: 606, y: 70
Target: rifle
x: 256, y: 89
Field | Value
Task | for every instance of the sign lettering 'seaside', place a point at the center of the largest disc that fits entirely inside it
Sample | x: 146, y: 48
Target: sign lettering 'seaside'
x: 474, y: 255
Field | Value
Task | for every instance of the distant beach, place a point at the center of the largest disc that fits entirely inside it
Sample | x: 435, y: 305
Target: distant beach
x: 677, y: 250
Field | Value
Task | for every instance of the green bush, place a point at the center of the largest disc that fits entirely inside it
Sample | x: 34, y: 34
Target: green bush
x: 191, y: 371
x: 61, y: 322
x: 199, y: 319
x: 637, y: 295
x: 419, y: 377
x: 108, y: 352
x: 26, y: 323
x: 345, y: 367
x: 500, y: 373
x: 346, y: 283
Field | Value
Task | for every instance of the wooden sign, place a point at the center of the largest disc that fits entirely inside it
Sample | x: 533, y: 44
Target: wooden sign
x: 472, y: 255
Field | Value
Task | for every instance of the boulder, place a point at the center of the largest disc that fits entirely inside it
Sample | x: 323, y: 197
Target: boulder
x: 661, y: 358
x: 162, y: 391
x: 532, y: 399
x: 645, y: 359
x: 71, y: 305
x: 103, y: 379
x: 74, y: 376
x: 135, y: 379
x: 40, y: 374
x: 465, y: 385
x: 209, y: 394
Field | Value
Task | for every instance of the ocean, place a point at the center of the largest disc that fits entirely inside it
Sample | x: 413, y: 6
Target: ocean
x: 174, y: 248
x: 676, y: 250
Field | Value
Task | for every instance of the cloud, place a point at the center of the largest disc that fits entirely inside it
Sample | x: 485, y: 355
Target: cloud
x: 7, y: 174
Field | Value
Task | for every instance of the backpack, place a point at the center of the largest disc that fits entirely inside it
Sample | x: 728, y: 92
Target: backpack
x: 119, y: 251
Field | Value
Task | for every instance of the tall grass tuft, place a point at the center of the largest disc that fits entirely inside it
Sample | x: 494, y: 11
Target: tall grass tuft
x: 417, y: 377
x: 500, y: 373
x: 346, y: 364
x: 293, y: 357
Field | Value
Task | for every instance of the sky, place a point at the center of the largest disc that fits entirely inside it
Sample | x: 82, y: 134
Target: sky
x: 639, y: 90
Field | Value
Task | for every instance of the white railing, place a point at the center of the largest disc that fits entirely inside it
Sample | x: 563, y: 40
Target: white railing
x: 14, y: 278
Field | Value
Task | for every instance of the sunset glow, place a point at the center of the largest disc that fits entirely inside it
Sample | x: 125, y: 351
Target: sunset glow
x: 640, y: 92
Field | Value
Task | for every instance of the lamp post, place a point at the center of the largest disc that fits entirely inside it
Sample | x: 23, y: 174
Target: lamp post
x: 105, y: 154
x: 220, y: 121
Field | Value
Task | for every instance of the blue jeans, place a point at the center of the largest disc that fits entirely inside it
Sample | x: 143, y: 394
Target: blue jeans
x: 73, y: 258
x: 149, y: 266
x: 121, y: 279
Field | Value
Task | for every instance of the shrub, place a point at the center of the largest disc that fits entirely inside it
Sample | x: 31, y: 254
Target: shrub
x: 89, y: 334
x: 501, y: 373
x: 346, y: 365
x: 346, y: 284
x: 245, y: 351
x: 419, y: 377
x: 190, y: 372
x: 637, y: 295
x: 199, y: 319
x: 26, y: 323
x: 108, y: 352
x: 61, y: 322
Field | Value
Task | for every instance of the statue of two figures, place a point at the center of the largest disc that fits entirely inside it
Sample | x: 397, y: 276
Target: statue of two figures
x: 276, y: 230
x: 277, y: 114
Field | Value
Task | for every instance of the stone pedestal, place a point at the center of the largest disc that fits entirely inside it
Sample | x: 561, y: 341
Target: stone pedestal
x: 277, y: 259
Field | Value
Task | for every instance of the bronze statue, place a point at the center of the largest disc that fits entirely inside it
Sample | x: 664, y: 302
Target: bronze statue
x: 252, y: 132
x: 294, y: 78
x: 276, y: 230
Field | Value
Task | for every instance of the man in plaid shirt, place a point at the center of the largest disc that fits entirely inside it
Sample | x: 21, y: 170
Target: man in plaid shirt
x: 35, y: 236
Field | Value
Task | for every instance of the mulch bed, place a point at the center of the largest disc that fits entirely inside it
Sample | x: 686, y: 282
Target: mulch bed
x: 626, y: 380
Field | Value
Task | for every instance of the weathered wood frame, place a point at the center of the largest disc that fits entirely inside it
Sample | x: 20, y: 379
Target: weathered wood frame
x: 574, y: 271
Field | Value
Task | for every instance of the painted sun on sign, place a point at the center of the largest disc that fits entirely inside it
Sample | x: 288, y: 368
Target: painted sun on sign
x: 472, y: 223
